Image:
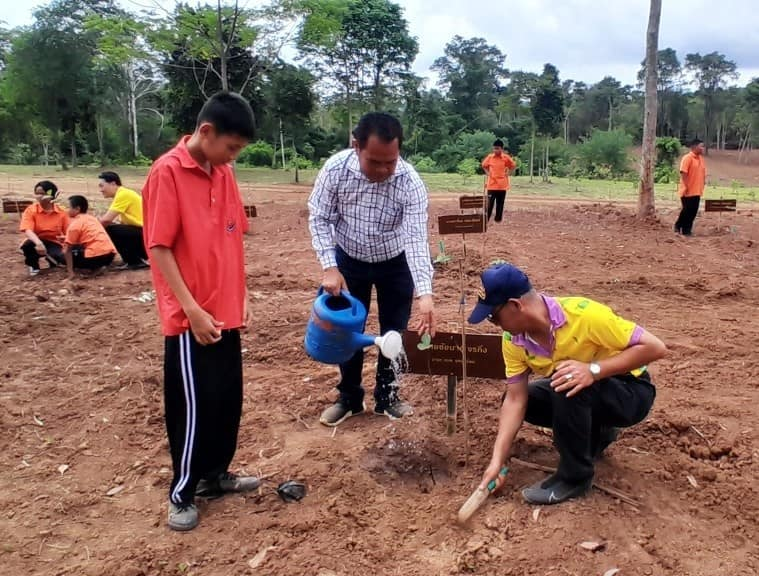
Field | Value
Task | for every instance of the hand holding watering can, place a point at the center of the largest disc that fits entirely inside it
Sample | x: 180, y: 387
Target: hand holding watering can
x: 334, y: 283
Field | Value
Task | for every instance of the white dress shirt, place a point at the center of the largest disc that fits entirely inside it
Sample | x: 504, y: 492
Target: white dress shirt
x: 371, y: 221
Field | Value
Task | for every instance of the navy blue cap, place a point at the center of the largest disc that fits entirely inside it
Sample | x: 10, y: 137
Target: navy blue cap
x: 500, y: 283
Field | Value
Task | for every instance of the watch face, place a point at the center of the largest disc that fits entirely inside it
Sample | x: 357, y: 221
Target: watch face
x: 595, y: 369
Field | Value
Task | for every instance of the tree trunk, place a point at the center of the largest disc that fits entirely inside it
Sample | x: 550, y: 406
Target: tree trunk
x: 646, y: 206
x: 532, y: 154
x: 350, y: 115
x: 133, y: 111
x: 73, y: 146
x: 611, y: 108
x: 46, y: 153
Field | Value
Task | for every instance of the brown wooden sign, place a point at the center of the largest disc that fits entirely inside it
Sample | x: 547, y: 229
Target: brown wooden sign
x: 484, y: 357
x: 11, y: 206
x: 461, y: 224
x: 471, y: 202
x: 723, y: 205
x: 250, y: 211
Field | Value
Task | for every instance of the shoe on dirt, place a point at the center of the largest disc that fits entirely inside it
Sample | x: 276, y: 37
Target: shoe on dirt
x: 33, y: 271
x: 226, y: 483
x: 395, y: 410
x: 554, y: 491
x: 183, y: 517
x: 337, y: 413
x: 139, y: 265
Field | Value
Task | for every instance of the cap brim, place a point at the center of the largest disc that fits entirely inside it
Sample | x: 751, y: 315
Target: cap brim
x: 481, y: 312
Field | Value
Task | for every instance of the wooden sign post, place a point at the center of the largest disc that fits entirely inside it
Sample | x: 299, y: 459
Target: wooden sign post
x: 720, y: 206
x: 461, y: 224
x: 445, y: 357
x: 14, y: 206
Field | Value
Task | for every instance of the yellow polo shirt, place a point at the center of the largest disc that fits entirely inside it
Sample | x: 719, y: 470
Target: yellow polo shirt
x: 128, y: 204
x: 583, y: 330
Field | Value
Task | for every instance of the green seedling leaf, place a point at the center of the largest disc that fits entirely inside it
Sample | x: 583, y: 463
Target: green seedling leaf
x: 425, y: 343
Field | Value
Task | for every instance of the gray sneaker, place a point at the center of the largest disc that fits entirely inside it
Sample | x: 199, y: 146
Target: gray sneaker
x: 338, y: 413
x: 182, y: 518
x: 395, y: 410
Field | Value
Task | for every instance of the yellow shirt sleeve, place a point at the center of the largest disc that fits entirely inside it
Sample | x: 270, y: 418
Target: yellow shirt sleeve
x: 607, y: 329
x: 514, y: 357
x: 120, y: 202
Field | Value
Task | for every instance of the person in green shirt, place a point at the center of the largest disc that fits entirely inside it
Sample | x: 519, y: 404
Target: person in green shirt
x: 126, y: 206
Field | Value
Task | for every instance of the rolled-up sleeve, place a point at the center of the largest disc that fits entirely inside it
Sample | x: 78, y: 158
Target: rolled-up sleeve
x: 322, y: 208
x: 415, y: 234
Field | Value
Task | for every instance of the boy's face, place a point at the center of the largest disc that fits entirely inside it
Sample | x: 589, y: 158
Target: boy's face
x: 73, y: 212
x: 220, y: 148
x: 497, y: 150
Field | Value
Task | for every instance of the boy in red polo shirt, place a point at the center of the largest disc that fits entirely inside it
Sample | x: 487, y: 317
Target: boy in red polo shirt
x: 193, y: 227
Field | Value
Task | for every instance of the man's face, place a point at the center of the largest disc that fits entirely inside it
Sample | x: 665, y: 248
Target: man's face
x: 510, y: 316
x: 497, y: 150
x: 378, y: 159
x: 220, y: 148
x: 699, y: 149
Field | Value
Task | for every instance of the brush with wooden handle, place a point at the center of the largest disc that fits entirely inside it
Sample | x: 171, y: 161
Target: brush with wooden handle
x: 479, y: 496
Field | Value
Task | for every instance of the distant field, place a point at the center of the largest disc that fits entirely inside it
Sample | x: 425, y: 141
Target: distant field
x: 18, y: 180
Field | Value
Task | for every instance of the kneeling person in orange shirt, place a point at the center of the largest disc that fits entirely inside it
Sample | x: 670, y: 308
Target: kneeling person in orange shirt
x: 87, y: 244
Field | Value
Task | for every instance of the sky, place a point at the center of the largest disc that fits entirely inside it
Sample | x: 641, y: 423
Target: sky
x: 585, y: 39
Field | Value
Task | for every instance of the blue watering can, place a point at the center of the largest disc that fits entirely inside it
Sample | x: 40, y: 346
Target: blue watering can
x: 336, y: 330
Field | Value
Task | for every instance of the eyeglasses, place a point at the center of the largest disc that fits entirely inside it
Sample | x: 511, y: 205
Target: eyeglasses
x: 492, y: 316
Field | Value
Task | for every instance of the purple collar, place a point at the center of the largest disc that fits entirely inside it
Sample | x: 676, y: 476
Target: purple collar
x: 557, y: 318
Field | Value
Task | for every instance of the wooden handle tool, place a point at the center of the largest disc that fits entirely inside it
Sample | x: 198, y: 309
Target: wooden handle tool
x: 479, y: 496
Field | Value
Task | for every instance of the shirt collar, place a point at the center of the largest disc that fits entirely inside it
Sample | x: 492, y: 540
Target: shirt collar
x: 40, y: 210
x: 185, y: 158
x: 354, y: 166
x: 555, y: 315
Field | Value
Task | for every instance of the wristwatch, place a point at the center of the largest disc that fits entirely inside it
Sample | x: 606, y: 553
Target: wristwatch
x: 595, y: 369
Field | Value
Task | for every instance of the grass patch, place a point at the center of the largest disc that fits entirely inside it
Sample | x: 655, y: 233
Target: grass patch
x: 18, y: 180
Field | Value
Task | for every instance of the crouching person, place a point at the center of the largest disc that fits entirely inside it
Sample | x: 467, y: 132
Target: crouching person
x: 592, y: 369
x: 87, y: 245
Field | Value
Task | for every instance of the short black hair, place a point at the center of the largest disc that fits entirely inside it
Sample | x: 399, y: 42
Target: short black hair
x: 229, y: 113
x: 110, y: 177
x: 80, y: 202
x: 48, y: 187
x: 695, y: 142
x: 385, y: 126
x: 498, y: 144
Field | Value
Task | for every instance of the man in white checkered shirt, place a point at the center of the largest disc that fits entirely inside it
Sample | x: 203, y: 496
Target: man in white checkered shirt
x: 368, y: 222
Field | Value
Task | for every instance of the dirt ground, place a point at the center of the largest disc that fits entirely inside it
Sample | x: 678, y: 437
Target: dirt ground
x: 84, y: 464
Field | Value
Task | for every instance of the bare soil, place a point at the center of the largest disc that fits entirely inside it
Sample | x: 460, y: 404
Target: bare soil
x: 84, y: 463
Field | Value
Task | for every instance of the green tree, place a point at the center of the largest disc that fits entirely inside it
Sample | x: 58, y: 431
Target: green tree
x: 51, y: 68
x: 124, y: 57
x: 472, y: 73
x: 711, y: 72
x: 669, y: 79
x: 547, y: 108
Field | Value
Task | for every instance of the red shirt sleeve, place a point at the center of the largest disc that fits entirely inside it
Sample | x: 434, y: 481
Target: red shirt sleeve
x: 161, y: 208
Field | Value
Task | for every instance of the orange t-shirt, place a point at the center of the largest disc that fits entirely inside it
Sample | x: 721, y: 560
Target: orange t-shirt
x: 498, y: 169
x: 86, y: 230
x: 200, y: 217
x: 693, y: 180
x: 50, y: 226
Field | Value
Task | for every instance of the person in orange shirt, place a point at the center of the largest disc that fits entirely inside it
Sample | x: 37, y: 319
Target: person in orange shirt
x: 44, y: 224
x: 691, y: 188
x: 87, y: 244
x: 497, y: 166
